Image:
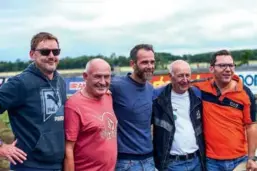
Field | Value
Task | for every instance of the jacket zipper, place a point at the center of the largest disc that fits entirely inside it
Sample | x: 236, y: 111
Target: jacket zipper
x: 201, y: 155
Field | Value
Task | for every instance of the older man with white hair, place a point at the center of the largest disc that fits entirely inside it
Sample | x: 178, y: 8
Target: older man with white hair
x: 177, y: 123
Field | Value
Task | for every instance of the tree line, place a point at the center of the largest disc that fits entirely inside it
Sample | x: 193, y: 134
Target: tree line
x: 162, y: 59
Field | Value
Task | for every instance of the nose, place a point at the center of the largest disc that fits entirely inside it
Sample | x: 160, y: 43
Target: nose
x: 228, y: 69
x: 150, y: 65
x: 102, y: 80
x: 184, y: 78
x: 51, y: 54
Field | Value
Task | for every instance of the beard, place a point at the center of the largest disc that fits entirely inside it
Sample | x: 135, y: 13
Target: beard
x: 143, y: 74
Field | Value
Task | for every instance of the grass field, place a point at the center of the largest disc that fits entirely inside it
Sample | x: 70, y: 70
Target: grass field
x: 6, y: 136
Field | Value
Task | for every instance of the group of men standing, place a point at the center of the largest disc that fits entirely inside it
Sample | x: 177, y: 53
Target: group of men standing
x: 123, y: 123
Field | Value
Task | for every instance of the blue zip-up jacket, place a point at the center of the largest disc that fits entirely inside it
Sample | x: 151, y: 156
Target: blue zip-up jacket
x: 164, y: 126
x: 35, y: 108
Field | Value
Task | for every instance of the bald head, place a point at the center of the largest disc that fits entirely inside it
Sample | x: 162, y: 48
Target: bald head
x: 97, y: 75
x: 178, y: 65
x: 96, y: 64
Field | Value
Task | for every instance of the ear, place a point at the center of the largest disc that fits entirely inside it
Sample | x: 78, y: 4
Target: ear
x: 31, y: 55
x: 85, y: 76
x: 132, y: 63
x: 170, y: 75
x: 211, y: 69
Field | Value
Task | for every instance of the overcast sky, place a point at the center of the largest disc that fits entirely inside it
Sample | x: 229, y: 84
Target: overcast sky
x: 91, y: 27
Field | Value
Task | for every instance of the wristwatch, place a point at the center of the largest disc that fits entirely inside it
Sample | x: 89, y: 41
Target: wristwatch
x: 253, y: 158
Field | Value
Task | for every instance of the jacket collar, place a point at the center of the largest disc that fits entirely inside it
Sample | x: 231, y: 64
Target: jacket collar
x: 164, y: 100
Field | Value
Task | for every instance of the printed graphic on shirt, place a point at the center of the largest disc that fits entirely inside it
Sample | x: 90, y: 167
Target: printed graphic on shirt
x: 51, y: 103
x: 175, y: 117
x: 110, y: 125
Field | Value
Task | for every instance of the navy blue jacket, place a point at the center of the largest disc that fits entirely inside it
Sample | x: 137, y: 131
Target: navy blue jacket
x: 164, y: 126
x: 35, y: 108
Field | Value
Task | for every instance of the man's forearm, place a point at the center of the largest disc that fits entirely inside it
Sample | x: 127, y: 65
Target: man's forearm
x: 69, y: 161
x: 251, y: 131
x: 69, y: 165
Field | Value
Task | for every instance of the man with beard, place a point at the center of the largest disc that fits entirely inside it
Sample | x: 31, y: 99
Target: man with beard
x: 229, y: 116
x: 90, y: 122
x: 177, y: 119
x: 34, y: 100
x: 132, y: 102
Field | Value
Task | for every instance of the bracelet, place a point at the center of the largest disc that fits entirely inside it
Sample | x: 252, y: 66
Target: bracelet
x: 253, y: 158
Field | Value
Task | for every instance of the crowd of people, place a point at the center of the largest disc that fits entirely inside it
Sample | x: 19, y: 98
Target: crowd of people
x: 123, y: 123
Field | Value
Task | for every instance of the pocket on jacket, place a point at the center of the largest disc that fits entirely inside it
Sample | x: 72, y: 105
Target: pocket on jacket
x: 50, y: 147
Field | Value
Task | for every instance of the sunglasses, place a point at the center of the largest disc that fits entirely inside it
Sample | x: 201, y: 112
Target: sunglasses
x: 46, y: 52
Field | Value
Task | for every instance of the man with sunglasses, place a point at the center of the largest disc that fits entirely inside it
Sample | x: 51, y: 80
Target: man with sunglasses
x: 229, y: 116
x: 34, y: 100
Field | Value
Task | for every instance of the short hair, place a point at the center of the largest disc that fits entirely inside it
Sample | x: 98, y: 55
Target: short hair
x: 218, y: 53
x: 133, y: 52
x: 39, y: 37
x: 89, y: 63
x: 171, y: 66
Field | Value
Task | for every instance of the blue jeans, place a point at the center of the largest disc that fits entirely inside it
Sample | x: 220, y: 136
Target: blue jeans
x: 193, y: 164
x: 35, y: 169
x: 223, y: 165
x: 135, y: 165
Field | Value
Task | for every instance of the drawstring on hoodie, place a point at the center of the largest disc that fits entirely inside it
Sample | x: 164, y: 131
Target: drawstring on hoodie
x: 56, y: 97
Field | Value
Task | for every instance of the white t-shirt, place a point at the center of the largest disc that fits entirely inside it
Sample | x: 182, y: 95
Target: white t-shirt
x: 184, y: 139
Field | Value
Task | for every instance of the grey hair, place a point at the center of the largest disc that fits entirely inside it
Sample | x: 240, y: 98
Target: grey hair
x: 88, y: 66
x: 170, y: 66
x: 89, y: 63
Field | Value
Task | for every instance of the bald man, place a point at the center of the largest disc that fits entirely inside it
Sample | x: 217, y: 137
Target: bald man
x: 90, y: 123
x: 177, y: 119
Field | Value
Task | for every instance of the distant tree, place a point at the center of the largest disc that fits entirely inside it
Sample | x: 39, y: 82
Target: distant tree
x: 161, y: 58
x: 245, y: 57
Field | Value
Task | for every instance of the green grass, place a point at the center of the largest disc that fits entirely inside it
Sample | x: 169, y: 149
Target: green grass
x: 4, y: 118
x: 6, y: 136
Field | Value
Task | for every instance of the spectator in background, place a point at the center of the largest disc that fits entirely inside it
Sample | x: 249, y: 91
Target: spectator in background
x: 229, y: 112
x: 35, y: 101
x: 90, y: 123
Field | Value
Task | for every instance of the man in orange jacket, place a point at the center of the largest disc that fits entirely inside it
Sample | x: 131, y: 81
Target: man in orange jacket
x: 229, y: 116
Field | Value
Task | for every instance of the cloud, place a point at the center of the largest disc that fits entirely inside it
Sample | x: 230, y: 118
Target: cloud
x: 106, y: 26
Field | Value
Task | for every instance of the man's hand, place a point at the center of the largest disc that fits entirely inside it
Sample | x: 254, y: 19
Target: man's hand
x: 12, y: 153
x: 251, y: 165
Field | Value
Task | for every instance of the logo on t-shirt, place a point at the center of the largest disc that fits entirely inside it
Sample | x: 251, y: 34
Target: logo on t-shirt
x: 110, y: 126
x: 51, y: 102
